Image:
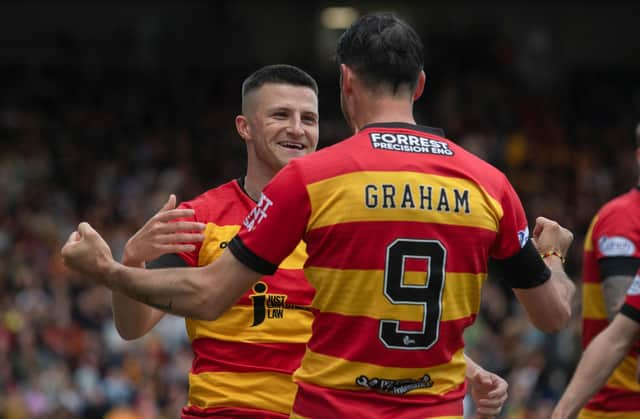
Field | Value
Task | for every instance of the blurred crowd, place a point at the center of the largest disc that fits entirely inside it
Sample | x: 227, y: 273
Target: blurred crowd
x: 108, y: 144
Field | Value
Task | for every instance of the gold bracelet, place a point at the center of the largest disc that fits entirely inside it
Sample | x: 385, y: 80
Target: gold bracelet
x: 553, y: 253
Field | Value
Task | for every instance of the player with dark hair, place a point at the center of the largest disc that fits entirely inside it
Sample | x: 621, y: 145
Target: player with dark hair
x: 244, y: 360
x: 611, y: 259
x: 399, y: 224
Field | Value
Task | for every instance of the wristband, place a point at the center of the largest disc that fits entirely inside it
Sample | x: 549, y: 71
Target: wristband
x: 553, y: 253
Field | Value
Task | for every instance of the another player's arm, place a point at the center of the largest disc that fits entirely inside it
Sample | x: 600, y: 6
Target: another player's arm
x: 132, y: 318
x: 157, y: 241
x: 548, y: 305
x: 543, y: 288
x: 614, y: 289
x: 617, y: 274
x: 200, y: 292
x: 488, y: 390
x: 597, y: 363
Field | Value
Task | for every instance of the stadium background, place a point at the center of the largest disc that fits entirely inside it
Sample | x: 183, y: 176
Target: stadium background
x: 107, y: 107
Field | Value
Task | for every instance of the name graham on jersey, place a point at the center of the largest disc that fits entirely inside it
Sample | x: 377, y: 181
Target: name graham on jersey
x: 423, y: 197
x: 409, y: 143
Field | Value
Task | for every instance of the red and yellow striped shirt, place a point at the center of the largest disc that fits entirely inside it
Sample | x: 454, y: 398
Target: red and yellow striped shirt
x: 614, y: 234
x: 399, y: 223
x: 243, y: 361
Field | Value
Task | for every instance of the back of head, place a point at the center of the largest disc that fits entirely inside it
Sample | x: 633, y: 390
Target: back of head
x: 384, y: 51
x: 280, y: 74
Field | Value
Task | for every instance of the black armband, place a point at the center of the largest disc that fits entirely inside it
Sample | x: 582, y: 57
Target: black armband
x: 630, y: 312
x: 250, y: 259
x: 619, y: 265
x: 524, y: 270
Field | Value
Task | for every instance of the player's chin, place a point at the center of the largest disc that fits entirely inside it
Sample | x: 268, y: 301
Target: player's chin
x: 288, y: 154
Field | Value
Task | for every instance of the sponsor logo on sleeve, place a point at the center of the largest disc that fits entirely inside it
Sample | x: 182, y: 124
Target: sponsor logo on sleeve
x: 258, y: 213
x: 616, y: 246
x: 409, y: 143
x: 634, y: 289
x: 523, y: 236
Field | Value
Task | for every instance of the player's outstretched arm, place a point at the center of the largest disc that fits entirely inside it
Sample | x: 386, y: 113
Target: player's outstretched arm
x: 159, y: 236
x: 548, y: 305
x: 598, y: 361
x: 488, y: 390
x: 201, y: 293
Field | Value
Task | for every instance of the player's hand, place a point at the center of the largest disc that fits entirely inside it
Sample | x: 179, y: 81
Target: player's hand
x: 160, y: 236
x: 489, y: 393
x: 87, y: 253
x: 548, y: 236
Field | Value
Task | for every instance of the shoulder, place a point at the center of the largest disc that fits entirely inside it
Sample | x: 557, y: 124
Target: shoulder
x: 216, y: 200
x: 616, y: 212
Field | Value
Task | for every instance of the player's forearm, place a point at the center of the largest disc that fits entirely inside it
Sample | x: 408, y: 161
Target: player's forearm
x: 184, y: 292
x: 471, y: 367
x: 596, y: 365
x: 559, y: 307
x: 548, y: 305
x: 132, y: 318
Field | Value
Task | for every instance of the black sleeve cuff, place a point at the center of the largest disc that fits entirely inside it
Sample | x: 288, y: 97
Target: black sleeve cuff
x: 631, y: 312
x: 250, y: 259
x: 623, y: 265
x: 524, y: 270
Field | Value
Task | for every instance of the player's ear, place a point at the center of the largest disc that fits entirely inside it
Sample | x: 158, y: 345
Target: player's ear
x: 242, y: 126
x: 346, y: 78
x: 422, y: 78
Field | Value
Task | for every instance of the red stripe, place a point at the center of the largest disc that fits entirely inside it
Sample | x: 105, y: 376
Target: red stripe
x: 590, y: 268
x: 334, y: 334
x: 591, y: 328
x: 318, y: 402
x: 218, y: 355
x: 193, y: 412
x: 333, y: 246
x: 615, y: 400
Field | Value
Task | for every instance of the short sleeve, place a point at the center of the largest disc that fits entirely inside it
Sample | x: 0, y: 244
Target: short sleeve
x: 275, y: 226
x: 513, y: 232
x: 515, y: 257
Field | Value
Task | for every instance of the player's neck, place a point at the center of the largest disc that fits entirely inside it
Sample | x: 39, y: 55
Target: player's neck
x: 255, y: 180
x: 385, y: 109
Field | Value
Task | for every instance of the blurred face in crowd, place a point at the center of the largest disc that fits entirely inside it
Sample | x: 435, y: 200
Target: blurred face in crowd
x: 280, y: 123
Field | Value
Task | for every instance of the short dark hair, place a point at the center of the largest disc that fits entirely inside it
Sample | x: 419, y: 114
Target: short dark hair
x: 278, y: 73
x: 383, y: 50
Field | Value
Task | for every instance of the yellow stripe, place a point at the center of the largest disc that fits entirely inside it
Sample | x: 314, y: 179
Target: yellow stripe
x: 624, y: 376
x: 593, y: 301
x: 257, y: 390
x: 588, y: 245
x: 215, y: 241
x: 235, y: 326
x: 341, y: 199
x: 593, y: 414
x: 461, y: 296
x: 217, y: 237
x: 296, y: 259
x: 338, y: 373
